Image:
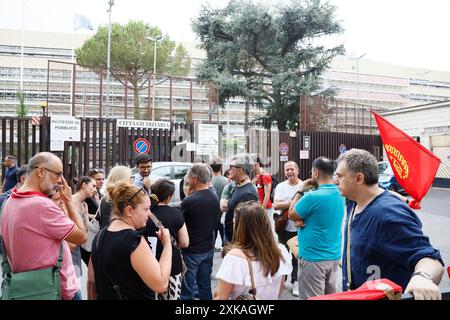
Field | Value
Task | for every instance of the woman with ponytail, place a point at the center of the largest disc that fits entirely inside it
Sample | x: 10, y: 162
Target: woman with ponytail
x: 162, y: 193
x: 122, y: 265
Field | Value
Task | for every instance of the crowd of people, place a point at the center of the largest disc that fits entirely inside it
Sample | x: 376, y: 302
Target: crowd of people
x: 144, y: 248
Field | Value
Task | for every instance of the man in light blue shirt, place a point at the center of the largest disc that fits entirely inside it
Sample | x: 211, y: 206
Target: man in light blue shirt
x: 319, y: 214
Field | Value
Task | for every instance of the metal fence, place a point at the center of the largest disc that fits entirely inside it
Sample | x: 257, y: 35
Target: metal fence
x: 267, y: 145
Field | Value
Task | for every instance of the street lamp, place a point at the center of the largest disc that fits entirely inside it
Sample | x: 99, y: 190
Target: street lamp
x: 428, y: 83
x: 155, y: 41
x: 357, y: 83
x: 110, y: 3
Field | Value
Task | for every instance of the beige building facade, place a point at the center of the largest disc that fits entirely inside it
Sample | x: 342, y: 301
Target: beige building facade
x: 369, y: 83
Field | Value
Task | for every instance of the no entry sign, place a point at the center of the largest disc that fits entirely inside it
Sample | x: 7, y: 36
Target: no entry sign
x: 141, y: 145
x: 284, y: 149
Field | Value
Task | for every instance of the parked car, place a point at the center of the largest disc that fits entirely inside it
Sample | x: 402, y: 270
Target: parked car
x: 386, y: 178
x: 174, y: 171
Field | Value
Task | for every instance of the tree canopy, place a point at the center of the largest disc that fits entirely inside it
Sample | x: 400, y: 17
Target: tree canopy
x: 268, y: 55
x: 131, y: 51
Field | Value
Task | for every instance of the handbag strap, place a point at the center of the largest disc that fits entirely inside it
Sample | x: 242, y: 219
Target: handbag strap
x: 252, y: 290
x: 159, y: 225
x: 96, y: 213
x: 348, y: 261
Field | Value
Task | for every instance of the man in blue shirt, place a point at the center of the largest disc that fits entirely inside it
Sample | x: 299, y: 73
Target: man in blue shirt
x: 10, y: 173
x: 383, y: 236
x: 142, y: 178
x: 320, y: 214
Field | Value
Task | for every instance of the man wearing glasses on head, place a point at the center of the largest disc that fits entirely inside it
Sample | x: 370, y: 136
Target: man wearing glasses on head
x: 34, y: 227
x: 240, y: 168
x: 142, y: 178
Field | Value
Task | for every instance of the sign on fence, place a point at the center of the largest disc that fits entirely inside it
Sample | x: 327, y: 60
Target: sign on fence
x: 141, y: 145
x: 129, y: 123
x: 63, y: 128
x: 208, y: 139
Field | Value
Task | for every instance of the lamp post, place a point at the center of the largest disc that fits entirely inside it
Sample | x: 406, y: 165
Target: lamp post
x: 422, y: 75
x: 357, y: 83
x: 155, y: 41
x: 21, y: 46
x: 110, y: 3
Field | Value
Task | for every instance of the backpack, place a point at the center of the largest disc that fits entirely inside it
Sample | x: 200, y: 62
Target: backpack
x: 274, y: 185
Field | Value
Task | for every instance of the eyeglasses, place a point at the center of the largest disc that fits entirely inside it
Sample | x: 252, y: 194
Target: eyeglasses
x: 135, y: 194
x: 58, y: 174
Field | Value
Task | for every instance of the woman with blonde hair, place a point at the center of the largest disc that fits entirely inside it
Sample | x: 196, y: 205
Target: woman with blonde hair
x: 253, y: 240
x: 122, y: 265
x: 118, y: 173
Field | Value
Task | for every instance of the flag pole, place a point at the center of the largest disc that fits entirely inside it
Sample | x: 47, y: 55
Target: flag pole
x: 72, y: 57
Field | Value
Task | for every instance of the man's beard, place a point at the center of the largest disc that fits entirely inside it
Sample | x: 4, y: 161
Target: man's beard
x: 53, y: 190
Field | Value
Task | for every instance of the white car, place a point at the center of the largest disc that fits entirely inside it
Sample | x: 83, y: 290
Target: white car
x: 173, y: 171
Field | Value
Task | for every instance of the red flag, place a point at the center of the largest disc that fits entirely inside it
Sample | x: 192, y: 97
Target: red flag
x: 414, y: 166
x: 370, y: 290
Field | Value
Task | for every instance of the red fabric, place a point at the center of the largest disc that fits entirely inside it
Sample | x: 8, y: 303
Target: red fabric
x: 414, y: 166
x: 263, y: 180
x: 371, y: 290
x: 413, y: 204
x: 448, y: 271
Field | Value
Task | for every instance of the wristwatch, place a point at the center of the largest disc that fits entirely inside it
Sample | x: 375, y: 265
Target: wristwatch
x: 424, y: 274
x: 300, y: 193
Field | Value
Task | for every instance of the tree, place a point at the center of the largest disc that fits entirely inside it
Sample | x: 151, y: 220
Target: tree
x: 131, y: 52
x: 21, y: 110
x: 270, y: 56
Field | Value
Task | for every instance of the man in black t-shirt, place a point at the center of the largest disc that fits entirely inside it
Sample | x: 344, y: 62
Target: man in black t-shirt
x: 200, y: 211
x: 240, y: 168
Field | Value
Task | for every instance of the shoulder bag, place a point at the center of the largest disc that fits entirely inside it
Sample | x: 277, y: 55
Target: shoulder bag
x: 40, y: 284
x: 251, y: 295
x: 93, y: 229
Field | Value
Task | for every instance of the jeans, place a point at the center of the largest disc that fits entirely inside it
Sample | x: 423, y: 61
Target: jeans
x: 199, y: 269
x: 283, y: 238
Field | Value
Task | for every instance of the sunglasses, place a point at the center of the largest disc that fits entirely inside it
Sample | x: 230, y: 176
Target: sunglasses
x: 135, y: 194
x: 95, y: 171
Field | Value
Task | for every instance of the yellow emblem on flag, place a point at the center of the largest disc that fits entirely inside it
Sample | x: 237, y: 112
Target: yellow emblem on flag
x: 399, y: 163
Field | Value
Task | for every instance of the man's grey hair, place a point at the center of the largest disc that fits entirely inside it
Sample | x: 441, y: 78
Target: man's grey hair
x: 39, y: 159
x: 244, y: 161
x: 292, y: 162
x: 202, y: 172
x: 361, y: 161
x: 10, y: 157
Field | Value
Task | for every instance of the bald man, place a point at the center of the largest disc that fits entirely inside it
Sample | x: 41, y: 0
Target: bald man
x: 34, y: 227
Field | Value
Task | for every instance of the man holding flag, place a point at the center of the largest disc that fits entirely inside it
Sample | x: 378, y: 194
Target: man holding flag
x: 383, y: 236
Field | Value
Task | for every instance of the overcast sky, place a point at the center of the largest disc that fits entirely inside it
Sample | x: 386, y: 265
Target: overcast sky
x: 405, y: 32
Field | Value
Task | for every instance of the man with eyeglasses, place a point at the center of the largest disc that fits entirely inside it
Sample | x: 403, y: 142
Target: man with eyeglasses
x: 240, y: 168
x: 34, y: 227
x: 142, y: 178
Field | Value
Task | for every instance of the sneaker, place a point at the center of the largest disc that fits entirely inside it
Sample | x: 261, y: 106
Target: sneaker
x: 295, y: 289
